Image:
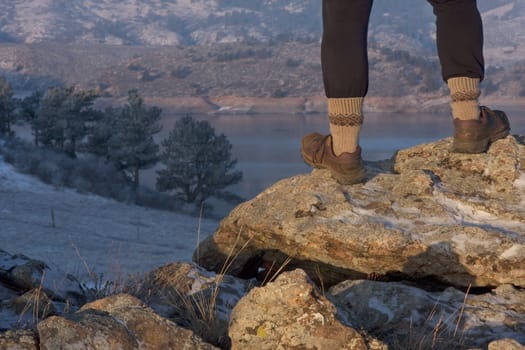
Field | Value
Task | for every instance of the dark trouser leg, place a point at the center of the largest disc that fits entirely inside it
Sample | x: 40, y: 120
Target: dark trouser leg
x: 344, y: 47
x: 459, y: 38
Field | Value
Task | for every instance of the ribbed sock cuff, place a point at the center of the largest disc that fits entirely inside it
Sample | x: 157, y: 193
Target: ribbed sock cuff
x: 464, y: 93
x: 346, y: 111
x: 463, y: 88
x: 346, y: 118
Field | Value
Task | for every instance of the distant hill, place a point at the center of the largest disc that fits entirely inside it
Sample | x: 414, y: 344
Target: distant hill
x: 406, y: 24
x: 261, y: 48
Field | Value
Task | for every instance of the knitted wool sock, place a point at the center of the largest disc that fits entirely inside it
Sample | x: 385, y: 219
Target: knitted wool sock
x: 346, y: 118
x: 464, y: 93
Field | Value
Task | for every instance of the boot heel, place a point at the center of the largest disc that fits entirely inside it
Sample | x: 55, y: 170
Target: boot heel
x: 459, y: 146
x: 351, y: 178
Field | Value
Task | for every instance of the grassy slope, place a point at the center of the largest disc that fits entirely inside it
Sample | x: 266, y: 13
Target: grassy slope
x: 110, y: 237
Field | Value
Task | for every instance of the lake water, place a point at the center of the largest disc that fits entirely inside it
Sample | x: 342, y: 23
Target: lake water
x: 267, y: 147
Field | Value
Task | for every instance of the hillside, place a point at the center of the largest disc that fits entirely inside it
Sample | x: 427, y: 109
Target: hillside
x: 209, y: 48
x: 282, y: 71
x: 162, y: 22
x: 198, y: 22
x: 91, y: 233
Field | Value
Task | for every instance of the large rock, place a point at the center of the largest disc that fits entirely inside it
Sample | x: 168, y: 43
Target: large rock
x: 405, y: 316
x: 116, y: 322
x: 454, y: 218
x: 291, y: 314
x: 22, y: 274
x: 85, y: 330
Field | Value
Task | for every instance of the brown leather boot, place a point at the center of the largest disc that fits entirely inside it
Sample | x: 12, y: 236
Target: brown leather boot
x: 475, y: 136
x: 347, y: 168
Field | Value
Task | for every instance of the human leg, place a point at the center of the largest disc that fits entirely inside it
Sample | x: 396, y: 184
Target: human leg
x: 459, y: 32
x: 345, y: 75
x: 460, y: 48
x: 345, y: 68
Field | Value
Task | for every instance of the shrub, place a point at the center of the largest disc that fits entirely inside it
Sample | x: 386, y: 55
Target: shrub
x: 87, y: 174
x: 293, y: 63
x: 181, y: 72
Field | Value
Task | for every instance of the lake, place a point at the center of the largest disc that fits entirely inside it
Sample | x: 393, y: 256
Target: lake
x: 267, y: 147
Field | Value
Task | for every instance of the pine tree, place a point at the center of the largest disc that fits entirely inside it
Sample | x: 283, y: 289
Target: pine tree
x: 198, y: 163
x: 131, y: 146
x: 63, y: 118
x: 7, y: 107
x: 78, y: 116
x: 29, y: 111
x: 104, y: 128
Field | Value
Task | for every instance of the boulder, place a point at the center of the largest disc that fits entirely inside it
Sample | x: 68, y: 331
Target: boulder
x: 21, y: 273
x: 447, y: 218
x: 290, y: 313
x: 18, y: 340
x: 406, y: 317
x: 85, y: 330
x: 116, y: 322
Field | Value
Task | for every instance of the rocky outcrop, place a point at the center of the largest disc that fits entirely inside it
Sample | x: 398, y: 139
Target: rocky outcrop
x: 117, y: 322
x: 456, y: 219
x: 428, y: 253
x: 178, y: 292
x: 287, y: 313
x: 405, y: 316
x: 291, y: 313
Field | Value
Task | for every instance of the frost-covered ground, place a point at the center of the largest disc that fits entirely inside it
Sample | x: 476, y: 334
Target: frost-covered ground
x: 91, y: 233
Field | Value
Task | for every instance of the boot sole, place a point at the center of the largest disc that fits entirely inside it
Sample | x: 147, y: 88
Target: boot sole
x: 480, y: 146
x: 352, y: 177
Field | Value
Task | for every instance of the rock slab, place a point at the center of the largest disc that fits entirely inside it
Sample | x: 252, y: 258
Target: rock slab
x: 454, y: 218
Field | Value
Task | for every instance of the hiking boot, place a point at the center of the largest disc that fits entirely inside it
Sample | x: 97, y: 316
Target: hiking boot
x: 347, y: 168
x: 475, y: 136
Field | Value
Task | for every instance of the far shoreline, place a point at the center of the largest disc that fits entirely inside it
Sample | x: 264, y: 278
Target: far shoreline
x: 242, y: 105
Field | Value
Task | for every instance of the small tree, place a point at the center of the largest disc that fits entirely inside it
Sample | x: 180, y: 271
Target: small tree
x: 197, y: 162
x: 7, y: 107
x: 131, y: 146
